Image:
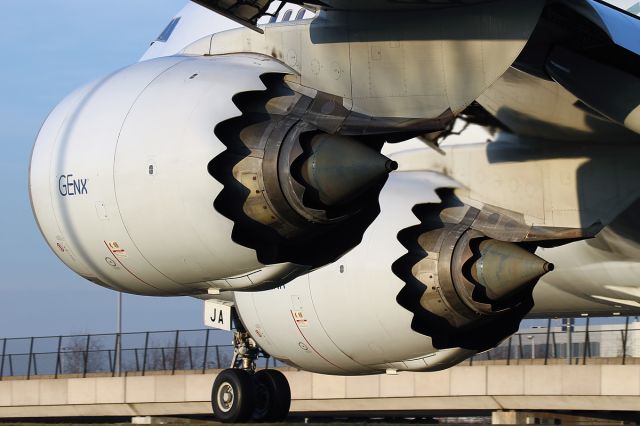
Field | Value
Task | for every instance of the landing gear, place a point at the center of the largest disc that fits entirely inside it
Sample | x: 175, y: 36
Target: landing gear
x: 273, y: 396
x: 241, y: 394
x: 233, y: 396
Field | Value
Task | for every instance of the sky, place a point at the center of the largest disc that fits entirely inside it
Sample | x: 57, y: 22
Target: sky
x: 49, y: 48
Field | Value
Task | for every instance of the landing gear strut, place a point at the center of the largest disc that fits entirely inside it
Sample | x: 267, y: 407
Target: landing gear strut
x: 241, y: 394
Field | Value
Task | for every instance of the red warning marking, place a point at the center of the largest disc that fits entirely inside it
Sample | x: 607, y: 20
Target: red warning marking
x: 309, y: 343
x: 125, y: 268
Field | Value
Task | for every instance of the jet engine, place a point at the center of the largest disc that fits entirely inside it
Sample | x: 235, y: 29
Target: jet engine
x: 184, y: 174
x: 469, y: 273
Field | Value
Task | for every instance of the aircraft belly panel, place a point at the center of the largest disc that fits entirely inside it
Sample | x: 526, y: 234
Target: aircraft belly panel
x: 537, y: 108
x: 589, y: 280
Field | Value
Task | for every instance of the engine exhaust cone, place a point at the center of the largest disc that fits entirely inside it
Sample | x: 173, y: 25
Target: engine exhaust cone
x: 340, y: 169
x: 504, y: 268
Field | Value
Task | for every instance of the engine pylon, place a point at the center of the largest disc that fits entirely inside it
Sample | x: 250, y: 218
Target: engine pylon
x: 504, y: 268
x: 341, y: 168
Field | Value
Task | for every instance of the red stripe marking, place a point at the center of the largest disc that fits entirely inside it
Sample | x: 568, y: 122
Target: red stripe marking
x: 310, y: 345
x: 125, y: 268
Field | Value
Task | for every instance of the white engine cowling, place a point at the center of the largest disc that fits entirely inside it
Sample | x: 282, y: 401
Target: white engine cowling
x: 183, y: 174
x: 119, y: 183
x: 344, y: 318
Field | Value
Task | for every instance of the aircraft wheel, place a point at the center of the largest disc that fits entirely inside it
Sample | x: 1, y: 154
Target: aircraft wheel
x: 232, y: 396
x: 273, y: 396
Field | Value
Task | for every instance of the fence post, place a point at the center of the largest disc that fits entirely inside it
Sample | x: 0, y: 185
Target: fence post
x: 35, y: 364
x: 175, y: 353
x: 58, y: 364
x: 586, y: 343
x: 10, y: 365
x: 206, y: 352
x: 86, y: 356
x: 137, y: 362
x: 116, y: 357
x: 546, y: 346
x: 570, y: 341
x: 4, y: 350
x: 624, y: 341
x: 520, y: 348
x: 111, y: 362
x: 509, y: 351
x: 146, y: 346
x: 30, y: 353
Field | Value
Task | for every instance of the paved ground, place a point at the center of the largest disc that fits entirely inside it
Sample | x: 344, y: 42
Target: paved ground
x: 205, y: 423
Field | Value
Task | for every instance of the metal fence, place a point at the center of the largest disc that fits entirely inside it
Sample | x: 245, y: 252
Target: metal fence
x: 568, y: 343
x: 200, y: 350
x: 118, y: 354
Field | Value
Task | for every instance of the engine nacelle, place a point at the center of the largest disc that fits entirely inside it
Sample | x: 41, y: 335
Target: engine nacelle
x: 434, y: 282
x: 182, y: 174
x: 344, y: 318
x: 469, y: 273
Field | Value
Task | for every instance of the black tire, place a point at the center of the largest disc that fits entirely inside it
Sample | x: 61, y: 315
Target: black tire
x: 273, y: 396
x: 233, y: 396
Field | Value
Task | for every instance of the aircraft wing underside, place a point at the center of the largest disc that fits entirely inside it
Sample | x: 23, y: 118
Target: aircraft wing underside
x: 245, y: 12
x: 582, y: 63
x: 248, y: 12
x: 578, y: 46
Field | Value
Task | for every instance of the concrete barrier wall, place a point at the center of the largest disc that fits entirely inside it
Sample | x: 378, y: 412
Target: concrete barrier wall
x: 485, y: 388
